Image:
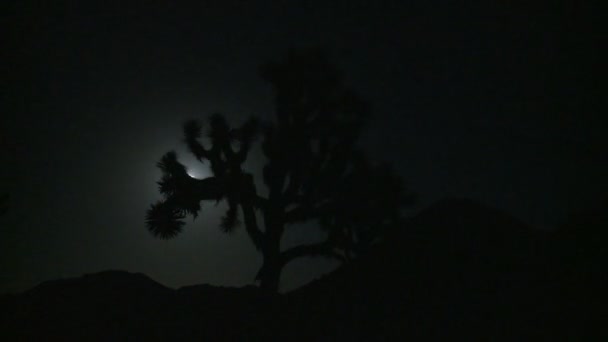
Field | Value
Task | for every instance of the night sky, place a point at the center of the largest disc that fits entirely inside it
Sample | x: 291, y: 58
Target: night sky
x: 499, y: 103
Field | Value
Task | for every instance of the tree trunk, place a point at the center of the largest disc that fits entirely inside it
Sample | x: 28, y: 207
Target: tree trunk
x: 270, y: 274
x: 270, y: 277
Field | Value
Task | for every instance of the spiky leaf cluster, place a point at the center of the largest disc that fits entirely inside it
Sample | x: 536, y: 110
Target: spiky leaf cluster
x: 164, y: 220
x: 183, y: 194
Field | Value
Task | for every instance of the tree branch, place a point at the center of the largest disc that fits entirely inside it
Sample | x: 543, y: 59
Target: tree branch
x: 304, y: 212
x: 248, y: 204
x: 251, y: 226
x: 192, y: 131
x: 210, y: 188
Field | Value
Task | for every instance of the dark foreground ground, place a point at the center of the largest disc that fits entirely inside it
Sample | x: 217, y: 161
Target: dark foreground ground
x: 459, y: 270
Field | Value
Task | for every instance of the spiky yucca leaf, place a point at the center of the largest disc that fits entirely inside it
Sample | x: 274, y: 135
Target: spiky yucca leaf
x: 167, y: 185
x: 189, y: 203
x: 246, y: 135
x: 170, y: 165
x: 230, y: 221
x: 192, y: 132
x: 164, y: 221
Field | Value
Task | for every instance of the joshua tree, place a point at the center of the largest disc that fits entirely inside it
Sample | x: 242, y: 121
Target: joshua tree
x: 313, y: 172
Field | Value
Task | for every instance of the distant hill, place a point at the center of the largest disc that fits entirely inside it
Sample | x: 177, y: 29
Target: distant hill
x: 458, y: 269
x: 117, y: 305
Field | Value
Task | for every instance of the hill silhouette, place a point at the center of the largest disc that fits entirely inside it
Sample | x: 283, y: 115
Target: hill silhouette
x: 457, y: 269
x: 118, y: 305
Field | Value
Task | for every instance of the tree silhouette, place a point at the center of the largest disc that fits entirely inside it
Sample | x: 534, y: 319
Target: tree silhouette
x: 314, y: 171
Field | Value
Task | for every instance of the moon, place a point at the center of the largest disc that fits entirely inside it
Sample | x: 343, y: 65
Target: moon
x: 194, y: 168
x: 196, y: 172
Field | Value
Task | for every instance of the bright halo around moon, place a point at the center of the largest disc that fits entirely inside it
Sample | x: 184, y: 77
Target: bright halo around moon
x: 196, y: 172
x: 194, y: 168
